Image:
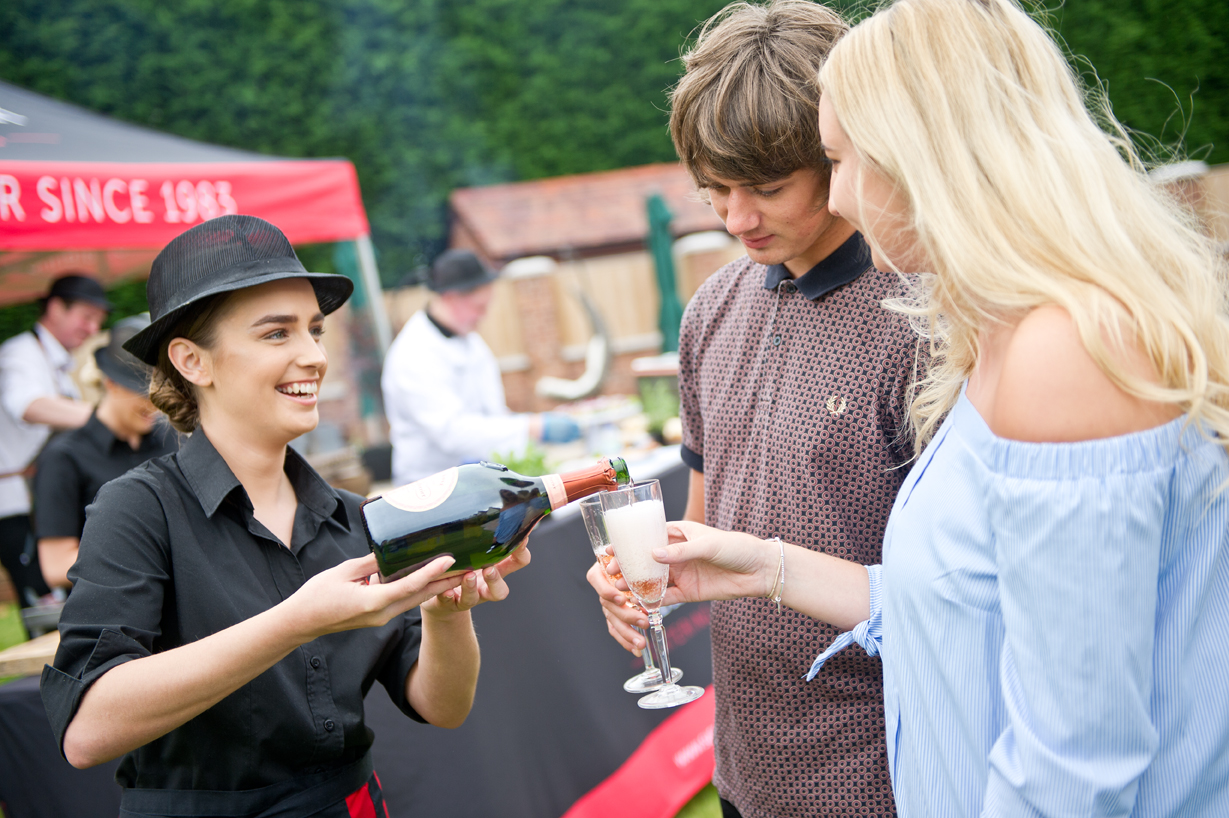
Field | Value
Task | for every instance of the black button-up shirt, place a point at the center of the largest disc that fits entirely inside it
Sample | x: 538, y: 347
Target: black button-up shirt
x: 172, y: 553
x: 76, y: 464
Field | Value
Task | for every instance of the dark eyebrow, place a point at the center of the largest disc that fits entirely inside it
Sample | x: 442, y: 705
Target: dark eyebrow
x: 275, y: 319
x: 823, y: 148
x: 284, y: 319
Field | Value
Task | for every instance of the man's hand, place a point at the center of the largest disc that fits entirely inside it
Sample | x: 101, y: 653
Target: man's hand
x: 622, y: 615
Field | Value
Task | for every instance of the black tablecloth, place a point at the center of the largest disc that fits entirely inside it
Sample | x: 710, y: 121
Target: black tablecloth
x: 550, y: 720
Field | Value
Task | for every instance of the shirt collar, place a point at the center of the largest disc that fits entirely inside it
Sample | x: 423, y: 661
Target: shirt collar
x: 98, y: 432
x: 108, y: 440
x: 447, y: 333
x: 843, y: 265
x: 56, y: 353
x: 212, y: 480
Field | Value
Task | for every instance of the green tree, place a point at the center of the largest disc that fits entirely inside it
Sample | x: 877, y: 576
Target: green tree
x: 430, y: 95
x: 1165, y: 65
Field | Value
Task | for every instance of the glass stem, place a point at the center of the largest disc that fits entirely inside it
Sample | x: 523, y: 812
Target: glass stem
x: 647, y: 654
x: 657, y: 644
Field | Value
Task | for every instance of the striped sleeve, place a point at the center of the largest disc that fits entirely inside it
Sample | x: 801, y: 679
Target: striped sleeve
x: 868, y: 634
x: 1078, y: 575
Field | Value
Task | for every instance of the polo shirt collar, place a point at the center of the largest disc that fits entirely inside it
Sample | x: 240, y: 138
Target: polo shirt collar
x: 212, y: 480
x: 843, y: 265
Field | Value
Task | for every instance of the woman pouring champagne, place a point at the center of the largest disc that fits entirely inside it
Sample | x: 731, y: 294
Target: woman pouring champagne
x: 221, y: 633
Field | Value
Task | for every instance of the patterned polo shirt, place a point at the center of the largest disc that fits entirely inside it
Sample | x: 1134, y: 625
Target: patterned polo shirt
x: 793, y: 401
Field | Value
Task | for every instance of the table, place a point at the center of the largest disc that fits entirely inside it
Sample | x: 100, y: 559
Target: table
x: 550, y: 719
x: 28, y: 658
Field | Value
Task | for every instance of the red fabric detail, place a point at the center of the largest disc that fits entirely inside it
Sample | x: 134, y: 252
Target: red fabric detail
x: 360, y: 805
x: 673, y: 763
x: 133, y: 205
x: 383, y: 803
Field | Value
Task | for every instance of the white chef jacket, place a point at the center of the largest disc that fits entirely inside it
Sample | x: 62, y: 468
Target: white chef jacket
x: 30, y: 368
x: 445, y: 402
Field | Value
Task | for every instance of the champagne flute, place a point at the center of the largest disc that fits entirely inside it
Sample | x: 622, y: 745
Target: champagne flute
x: 636, y: 524
x: 650, y: 678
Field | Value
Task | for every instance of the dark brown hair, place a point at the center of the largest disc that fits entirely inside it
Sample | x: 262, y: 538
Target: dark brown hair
x: 169, y: 390
x: 746, y: 108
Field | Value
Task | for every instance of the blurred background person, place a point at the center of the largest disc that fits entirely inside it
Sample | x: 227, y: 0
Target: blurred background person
x: 123, y: 432
x: 442, y: 389
x: 37, y: 396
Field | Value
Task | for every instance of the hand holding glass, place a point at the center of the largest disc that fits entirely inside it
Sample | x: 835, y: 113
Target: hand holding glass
x: 635, y: 521
x: 650, y: 678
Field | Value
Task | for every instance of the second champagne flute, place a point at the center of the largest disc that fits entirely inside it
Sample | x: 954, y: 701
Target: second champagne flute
x: 635, y: 521
x: 650, y: 678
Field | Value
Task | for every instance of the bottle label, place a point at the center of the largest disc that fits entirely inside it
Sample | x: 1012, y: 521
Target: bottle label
x: 424, y: 494
x: 555, y: 492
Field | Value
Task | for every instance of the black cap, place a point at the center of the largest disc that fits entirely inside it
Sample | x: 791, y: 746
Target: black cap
x: 459, y: 270
x: 120, y: 365
x: 75, y: 287
x: 219, y: 256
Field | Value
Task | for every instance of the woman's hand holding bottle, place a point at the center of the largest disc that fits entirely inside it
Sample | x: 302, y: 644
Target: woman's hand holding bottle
x: 477, y: 587
x: 342, y: 598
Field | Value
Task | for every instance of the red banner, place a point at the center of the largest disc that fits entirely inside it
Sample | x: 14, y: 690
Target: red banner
x: 99, y: 205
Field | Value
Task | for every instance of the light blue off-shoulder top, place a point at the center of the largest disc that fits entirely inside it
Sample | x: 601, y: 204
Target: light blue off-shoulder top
x: 1054, y: 626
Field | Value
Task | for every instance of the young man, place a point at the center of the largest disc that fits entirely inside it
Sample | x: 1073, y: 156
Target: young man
x: 794, y: 386
x: 442, y: 389
x: 38, y: 395
x: 122, y: 433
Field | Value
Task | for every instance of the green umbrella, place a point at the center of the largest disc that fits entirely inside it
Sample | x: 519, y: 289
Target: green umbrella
x: 660, y: 244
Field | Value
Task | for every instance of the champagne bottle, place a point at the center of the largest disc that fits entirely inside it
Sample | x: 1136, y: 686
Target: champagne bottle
x: 477, y: 513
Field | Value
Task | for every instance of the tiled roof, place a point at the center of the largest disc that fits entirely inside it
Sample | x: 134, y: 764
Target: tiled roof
x: 577, y: 213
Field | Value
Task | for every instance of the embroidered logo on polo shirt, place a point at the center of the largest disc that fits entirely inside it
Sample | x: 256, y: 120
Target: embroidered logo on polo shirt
x: 836, y: 405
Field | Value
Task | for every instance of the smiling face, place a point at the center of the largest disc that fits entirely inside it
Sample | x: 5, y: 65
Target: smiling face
x: 784, y: 222
x: 868, y: 200
x: 263, y: 371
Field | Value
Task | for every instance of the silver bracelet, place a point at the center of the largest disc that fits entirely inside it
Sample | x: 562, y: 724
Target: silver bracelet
x: 778, y: 587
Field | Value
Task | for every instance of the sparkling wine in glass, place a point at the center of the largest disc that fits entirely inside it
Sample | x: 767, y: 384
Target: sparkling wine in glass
x: 650, y: 678
x: 635, y: 521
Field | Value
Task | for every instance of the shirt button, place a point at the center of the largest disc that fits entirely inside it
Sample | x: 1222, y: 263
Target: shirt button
x: 790, y: 286
x: 329, y: 724
x: 316, y: 662
x: 776, y: 340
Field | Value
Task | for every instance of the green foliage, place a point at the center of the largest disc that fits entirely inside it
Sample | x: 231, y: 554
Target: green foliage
x: 430, y: 95
x: 660, y: 398
x: 531, y: 462
x: 1166, y: 66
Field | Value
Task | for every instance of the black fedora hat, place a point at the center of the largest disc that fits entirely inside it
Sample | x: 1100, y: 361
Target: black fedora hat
x: 219, y: 256
x: 120, y: 365
x: 459, y: 270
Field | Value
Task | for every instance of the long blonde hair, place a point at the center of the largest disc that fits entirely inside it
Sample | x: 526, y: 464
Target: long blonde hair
x: 1020, y: 196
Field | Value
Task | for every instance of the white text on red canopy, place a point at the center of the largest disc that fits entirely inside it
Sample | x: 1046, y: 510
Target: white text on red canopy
x: 115, y: 200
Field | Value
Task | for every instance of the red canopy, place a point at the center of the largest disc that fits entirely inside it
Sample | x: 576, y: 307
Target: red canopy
x: 65, y: 205
x: 81, y: 191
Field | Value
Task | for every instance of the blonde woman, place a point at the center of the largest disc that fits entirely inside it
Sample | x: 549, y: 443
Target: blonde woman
x: 1054, y: 595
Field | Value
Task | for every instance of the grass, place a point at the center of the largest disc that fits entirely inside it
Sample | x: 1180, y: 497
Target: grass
x: 11, y: 633
x: 706, y: 804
